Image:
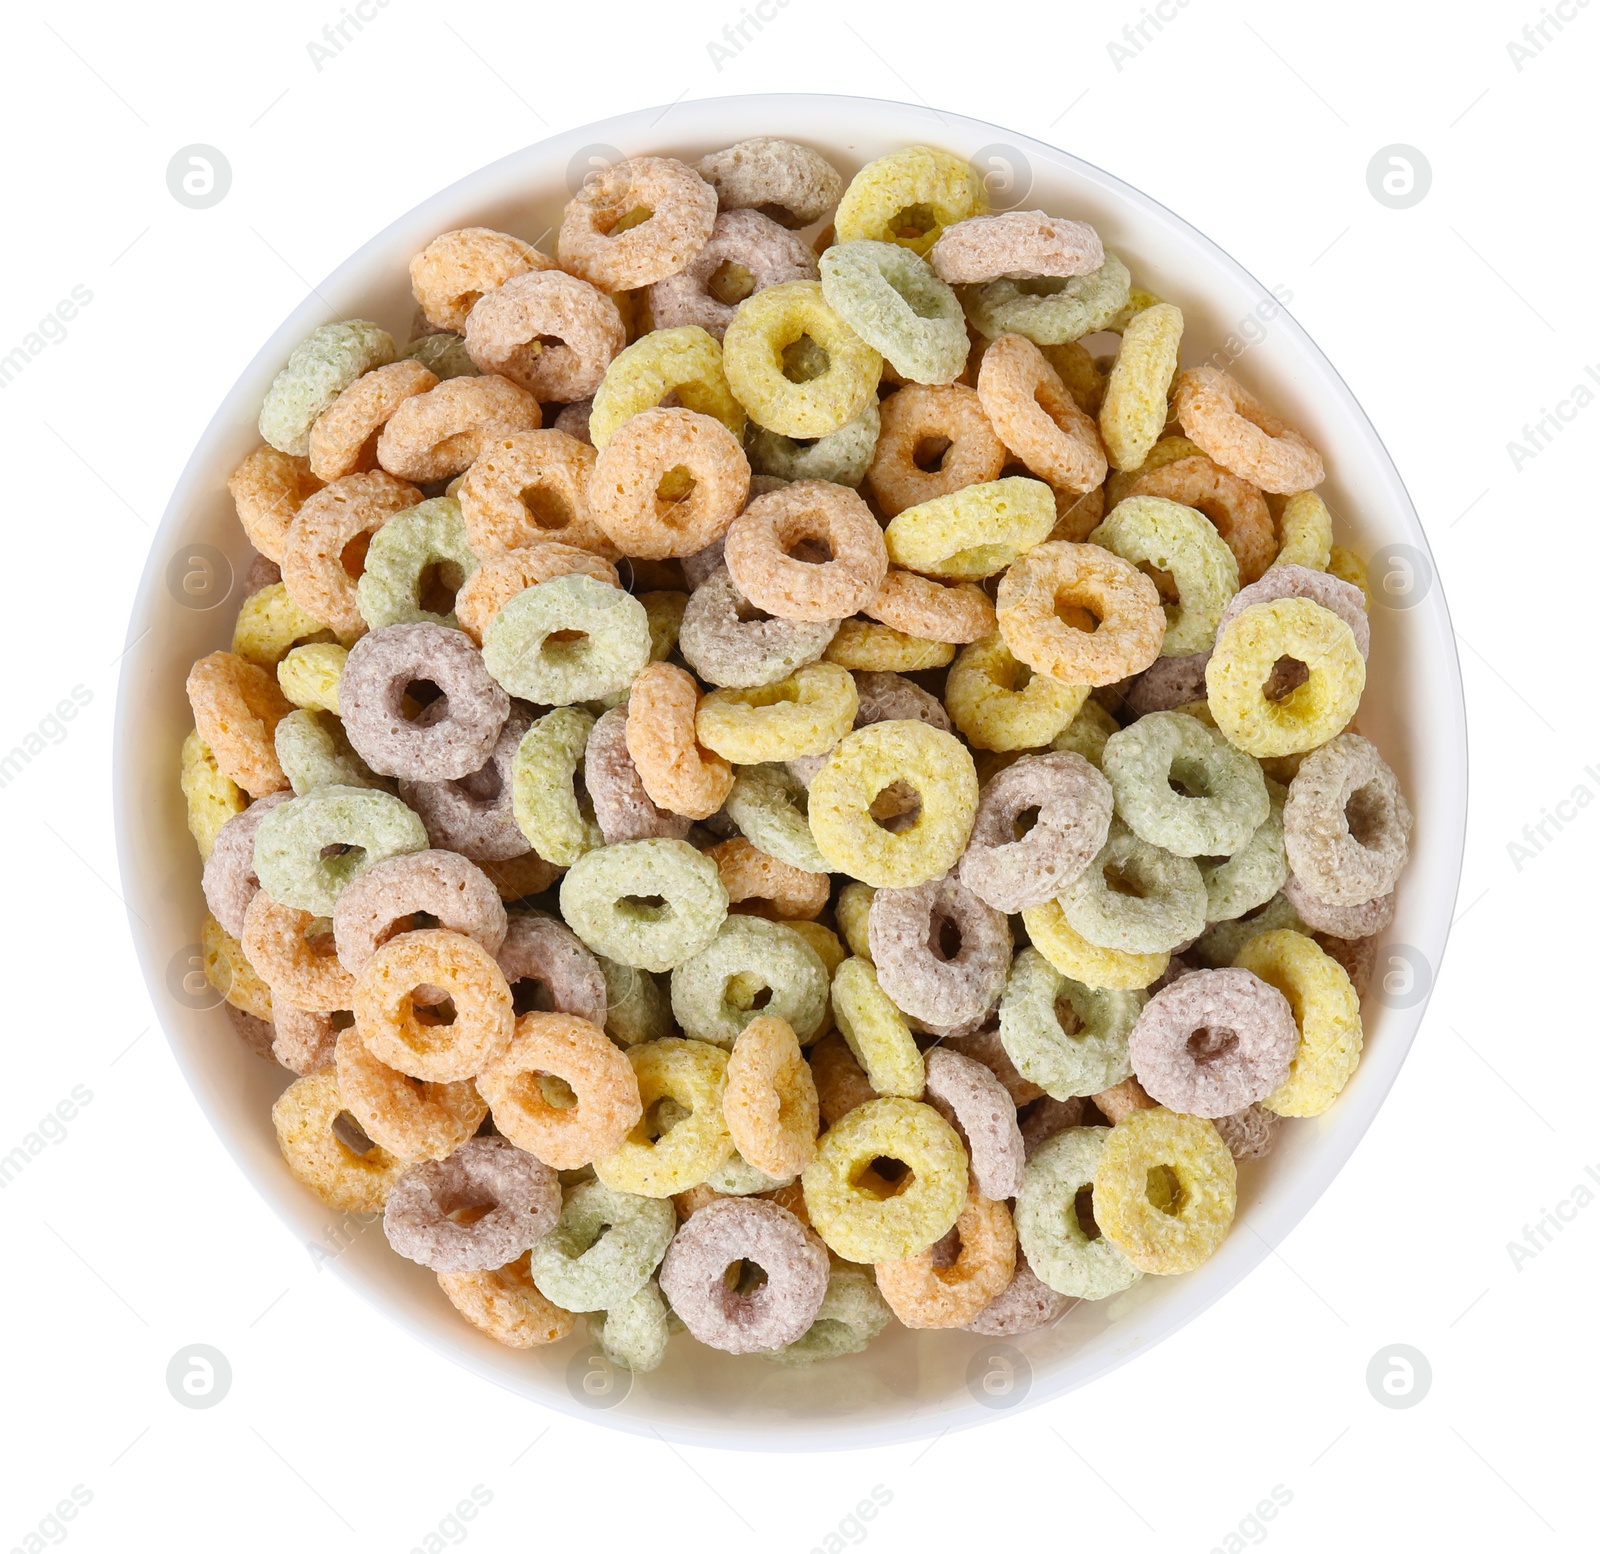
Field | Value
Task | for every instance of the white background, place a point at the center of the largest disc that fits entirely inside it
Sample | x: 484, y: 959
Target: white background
x: 1455, y: 321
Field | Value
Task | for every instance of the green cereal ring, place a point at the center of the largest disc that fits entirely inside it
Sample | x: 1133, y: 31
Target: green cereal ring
x: 1181, y: 786
x: 603, y: 1248
x: 293, y: 839
x: 841, y: 456
x: 613, y: 647
x: 713, y: 990
x: 1087, y: 733
x: 769, y: 804
x: 1158, y: 900
x: 1049, y: 1228
x: 737, y: 1178
x: 1090, y: 1057
x: 318, y: 371
x: 895, y: 302
x: 1220, y: 944
x: 851, y: 1315
x: 1254, y: 874
x: 1050, y: 311
x: 1178, y: 540
x: 636, y: 1008
x: 314, y: 752
x: 544, y: 795
x: 649, y: 904
x: 423, y: 542
x: 875, y: 1031
x: 633, y: 1334
x: 445, y: 356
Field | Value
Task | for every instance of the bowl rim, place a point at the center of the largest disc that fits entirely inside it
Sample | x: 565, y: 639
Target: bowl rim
x: 496, y: 179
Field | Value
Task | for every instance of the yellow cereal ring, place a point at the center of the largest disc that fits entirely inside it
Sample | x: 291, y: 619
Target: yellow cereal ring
x: 933, y: 763
x: 999, y: 703
x: 850, y: 912
x: 806, y: 714
x: 909, y: 197
x: 974, y: 532
x: 213, y: 798
x: 1073, y: 956
x: 1135, y: 405
x: 1075, y: 367
x: 304, y: 1116
x: 270, y: 623
x: 923, y: 1295
x: 685, y: 361
x: 1326, y: 1010
x: 1139, y: 299
x: 876, y: 1032
x: 1305, y: 533
x: 1242, y: 665
x: 753, y: 360
x: 868, y: 645
x: 309, y: 675
x: 1165, y: 1190
x: 654, y: 1163
x: 823, y: 940
x: 1348, y: 566
x: 1167, y: 451
x: 230, y: 973
x: 857, y: 1212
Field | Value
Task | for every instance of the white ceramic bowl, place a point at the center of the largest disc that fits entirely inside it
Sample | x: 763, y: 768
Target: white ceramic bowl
x: 907, y: 1384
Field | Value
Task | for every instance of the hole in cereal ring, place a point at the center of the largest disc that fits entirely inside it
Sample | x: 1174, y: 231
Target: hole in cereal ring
x: 911, y: 222
x: 1041, y: 285
x: 1070, y: 613
x: 674, y: 487
x: 421, y: 694
x: 436, y: 587
x: 556, y: 1091
x: 644, y: 909
x: 783, y: 216
x: 811, y: 548
x: 463, y: 304
x: 1210, y: 1042
x: 1162, y: 1189
x: 431, y: 1009
x: 1123, y: 882
x: 804, y: 359
x: 1364, y: 813
x: 746, y: 990
x: 566, y: 634
x: 884, y: 1177
x: 749, y: 612
x: 631, y: 219
x: 1189, y: 778
x: 744, y: 1277
x: 349, y: 1133
x: 339, y: 850
x: 484, y: 785
x: 947, y: 1249
x: 1025, y: 821
x: 929, y: 453
x: 1287, y: 676
x: 731, y: 283
x: 1083, y: 1207
x: 341, y: 1019
x: 944, y: 937
x: 897, y: 807
x: 319, y: 936
x: 662, y: 1117
x: 529, y: 995
x: 353, y: 558
x: 1067, y: 1017
x: 1166, y: 584
x: 547, y: 508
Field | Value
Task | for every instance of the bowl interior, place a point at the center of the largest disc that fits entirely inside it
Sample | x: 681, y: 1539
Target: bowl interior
x: 907, y: 1384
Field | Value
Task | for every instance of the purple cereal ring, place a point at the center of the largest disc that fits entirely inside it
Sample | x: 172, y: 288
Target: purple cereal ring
x: 1074, y: 804
x: 621, y: 806
x: 1346, y: 824
x: 454, y: 735
x: 1295, y: 582
x: 1343, y: 922
x: 767, y: 253
x: 574, y: 420
x: 303, y: 1040
x: 748, y: 1230
x: 969, y: 1097
x: 255, y: 1033
x: 985, y: 1046
x: 1025, y: 1305
x: 1213, y: 1042
x: 379, y: 903
x: 522, y: 1195
x: 1045, y: 1118
x: 229, y: 877
x: 941, y: 983
x: 882, y: 697
x: 473, y: 815
x: 727, y: 641
x: 551, y: 970
x: 1249, y: 1133
x: 1170, y: 683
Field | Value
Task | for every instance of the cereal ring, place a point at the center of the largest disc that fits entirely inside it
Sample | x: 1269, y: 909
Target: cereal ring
x: 269, y: 624
x: 1167, y: 450
x: 419, y: 558
x: 453, y: 736
x: 504, y: 1304
x: 1348, y: 922
x: 765, y: 886
x: 770, y: 1103
x: 984, y: 1046
x: 1349, y: 567
x: 292, y: 952
x: 974, y: 532
x: 1051, y: 311
x: 344, y: 438
x: 769, y: 550
x: 851, y: 1315
x: 1016, y: 245
x: 769, y: 805
x: 1036, y: 418
x: 548, y: 970
x: 1347, y: 826
x: 1169, y: 683
x: 917, y: 606
x: 268, y: 489
x: 862, y: 1216
x: 1078, y: 1049
x: 1044, y: 1119
x: 753, y: 347
x: 1220, y: 944
x: 442, y: 884
x: 1134, y: 408
x: 924, y: 1295
x: 457, y: 268
x: 237, y: 706
x: 1091, y: 964
x: 1236, y: 509
x: 603, y: 1249
x: 327, y: 544
x: 304, y: 1117
x: 895, y: 302
x: 1255, y: 873
x: 1185, y: 1158
x: 606, y: 899
x: 750, y: 954
x: 1241, y: 671
x: 1295, y: 582
x: 229, y: 877
x: 319, y: 369
x: 230, y: 973
x: 853, y: 912
x: 841, y: 457
x: 805, y: 714
x: 1025, y: 1305
x: 550, y: 333
x: 526, y: 646
x: 870, y: 648
x: 676, y: 772
x: 1050, y: 1218
x: 746, y: 253
x: 544, y: 775
x: 875, y: 1033
x: 505, y: 575
x: 521, y: 876
x: 727, y: 649
x: 521, y: 1195
x: 568, y: 1124
x: 528, y: 487
x: 1250, y: 1133
x: 998, y: 702
x: 313, y: 751
x: 438, y: 434
x: 634, y: 1333
x: 623, y: 809
x: 1238, y: 432
x: 444, y: 355
x: 656, y: 1163
x: 472, y: 815
x: 910, y: 932
x: 596, y: 243
x: 412, y: 1120
x: 841, y: 1084
x: 685, y: 362
x: 304, y: 1040
x: 1166, y: 906
x: 1091, y: 582
x: 935, y: 440
x: 1087, y: 733
x: 1072, y: 804
x: 934, y: 764
x: 745, y: 1231
x: 973, y: 1100
x: 1305, y: 532
x: 792, y: 184
x: 210, y: 796
x: 909, y: 197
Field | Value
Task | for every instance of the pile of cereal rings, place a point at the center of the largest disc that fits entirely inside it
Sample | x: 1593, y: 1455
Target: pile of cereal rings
x: 762, y: 785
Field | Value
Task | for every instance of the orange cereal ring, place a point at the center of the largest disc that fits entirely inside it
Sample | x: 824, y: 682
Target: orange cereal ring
x: 549, y: 332
x: 1122, y: 1100
x: 681, y: 209
x: 1088, y: 579
x: 327, y: 544
x: 1078, y: 514
x: 438, y: 434
x: 505, y: 575
x: 412, y: 1120
x: 770, y: 551
x: 237, y: 706
x: 625, y: 492
x: 1236, y: 508
x: 304, y: 1116
x: 344, y: 438
x: 924, y: 1295
x: 505, y: 1304
x: 457, y: 268
x: 770, y: 1103
x: 933, y: 439
x: 267, y: 490
x: 589, y: 1064
x: 1236, y: 430
x: 481, y: 1018
x: 841, y: 1082
x: 279, y: 942
x: 677, y: 771
x: 1037, y: 418
x: 918, y: 606
x: 768, y: 886
x: 530, y: 486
